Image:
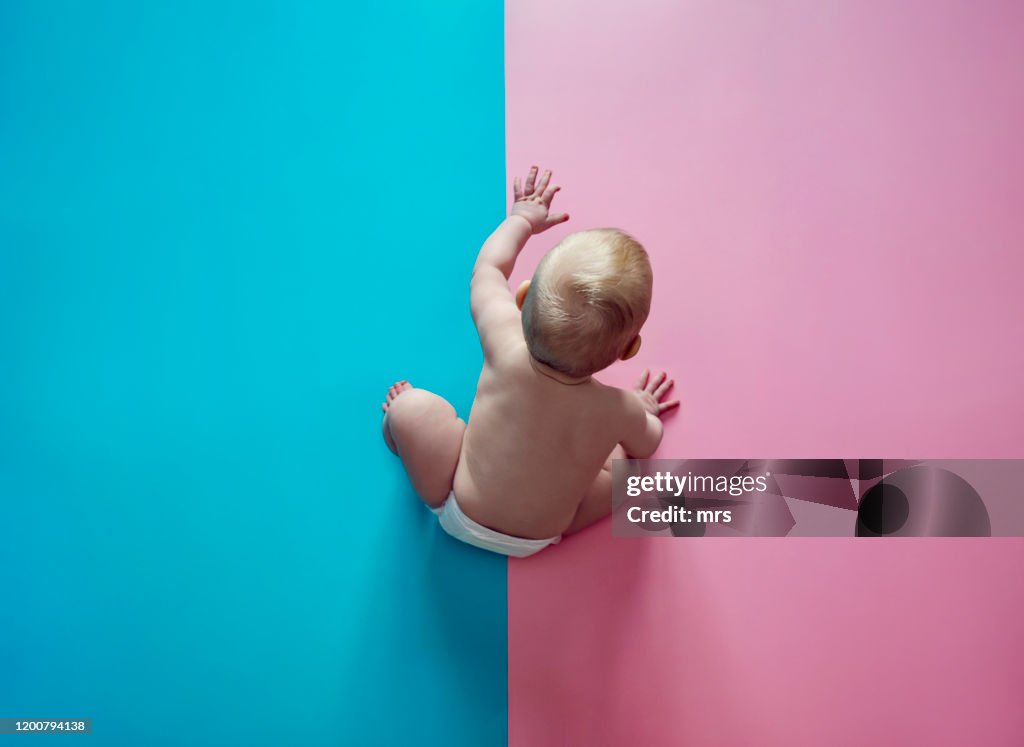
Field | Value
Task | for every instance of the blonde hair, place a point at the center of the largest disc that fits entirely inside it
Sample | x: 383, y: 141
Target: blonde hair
x: 589, y: 297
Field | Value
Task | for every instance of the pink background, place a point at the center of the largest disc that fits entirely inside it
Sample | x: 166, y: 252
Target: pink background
x: 832, y: 194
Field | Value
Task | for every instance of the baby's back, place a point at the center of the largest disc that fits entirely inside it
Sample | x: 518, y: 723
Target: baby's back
x: 533, y: 446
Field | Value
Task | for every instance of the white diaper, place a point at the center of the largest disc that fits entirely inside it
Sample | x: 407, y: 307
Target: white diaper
x: 461, y: 527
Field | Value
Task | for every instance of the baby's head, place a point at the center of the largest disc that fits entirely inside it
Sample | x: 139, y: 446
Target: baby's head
x: 587, y: 301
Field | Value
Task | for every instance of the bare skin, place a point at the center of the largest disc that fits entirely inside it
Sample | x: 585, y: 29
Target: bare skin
x: 535, y: 459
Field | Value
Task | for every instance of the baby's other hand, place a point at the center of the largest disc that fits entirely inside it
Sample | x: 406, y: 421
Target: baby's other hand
x: 534, y: 202
x: 652, y: 390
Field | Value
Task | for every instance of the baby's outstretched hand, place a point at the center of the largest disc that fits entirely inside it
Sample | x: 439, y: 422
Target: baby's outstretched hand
x: 652, y: 390
x: 534, y: 201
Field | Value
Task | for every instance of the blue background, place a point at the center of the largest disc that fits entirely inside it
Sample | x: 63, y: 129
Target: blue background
x: 225, y: 229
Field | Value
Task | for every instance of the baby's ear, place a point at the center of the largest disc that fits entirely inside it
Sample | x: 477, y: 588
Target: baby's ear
x: 632, y: 349
x: 521, y: 293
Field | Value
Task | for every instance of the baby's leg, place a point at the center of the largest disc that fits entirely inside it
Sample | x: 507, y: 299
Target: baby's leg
x: 426, y: 434
x: 598, y: 502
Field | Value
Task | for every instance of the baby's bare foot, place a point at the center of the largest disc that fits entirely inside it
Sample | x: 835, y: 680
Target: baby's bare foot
x: 396, y: 389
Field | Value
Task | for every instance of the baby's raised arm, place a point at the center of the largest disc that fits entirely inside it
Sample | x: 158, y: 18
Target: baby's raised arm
x: 490, y: 300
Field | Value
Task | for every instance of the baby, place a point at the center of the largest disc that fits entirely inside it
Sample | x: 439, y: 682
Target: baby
x: 534, y: 462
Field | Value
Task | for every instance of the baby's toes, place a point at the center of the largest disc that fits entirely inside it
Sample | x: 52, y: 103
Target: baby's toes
x: 394, y: 390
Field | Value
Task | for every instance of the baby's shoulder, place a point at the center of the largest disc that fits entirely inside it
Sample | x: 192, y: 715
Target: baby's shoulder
x: 613, y: 401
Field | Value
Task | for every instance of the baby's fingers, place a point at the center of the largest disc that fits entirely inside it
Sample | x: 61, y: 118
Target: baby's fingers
x: 664, y: 407
x: 530, y: 179
x: 662, y: 390
x: 542, y: 185
x: 641, y: 383
x: 655, y: 382
x: 549, y: 194
x: 517, y: 189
